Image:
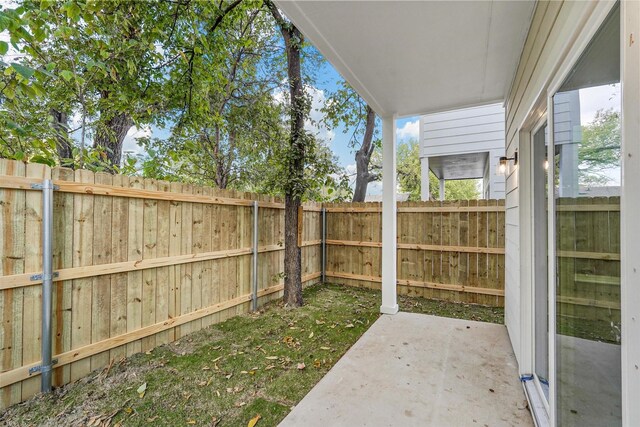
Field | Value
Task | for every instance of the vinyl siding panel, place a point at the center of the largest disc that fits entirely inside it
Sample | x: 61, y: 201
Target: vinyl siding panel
x: 469, y: 130
x: 553, y: 28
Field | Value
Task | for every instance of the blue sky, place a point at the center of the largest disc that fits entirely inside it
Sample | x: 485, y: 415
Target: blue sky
x: 327, y: 81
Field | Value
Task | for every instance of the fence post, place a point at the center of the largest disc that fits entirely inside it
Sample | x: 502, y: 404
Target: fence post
x: 254, y: 275
x: 324, y: 244
x: 45, y: 367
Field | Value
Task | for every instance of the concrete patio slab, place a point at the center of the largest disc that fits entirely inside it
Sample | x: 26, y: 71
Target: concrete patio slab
x: 419, y: 370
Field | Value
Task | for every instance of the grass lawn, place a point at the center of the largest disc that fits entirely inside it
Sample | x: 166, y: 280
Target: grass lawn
x: 255, y: 364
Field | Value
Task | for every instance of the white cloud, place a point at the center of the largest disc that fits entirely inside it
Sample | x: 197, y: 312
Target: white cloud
x: 130, y: 145
x: 597, y: 98
x: 410, y: 130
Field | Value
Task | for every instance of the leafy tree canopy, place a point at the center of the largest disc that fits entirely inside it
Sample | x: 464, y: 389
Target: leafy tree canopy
x: 211, y: 74
x: 600, y: 149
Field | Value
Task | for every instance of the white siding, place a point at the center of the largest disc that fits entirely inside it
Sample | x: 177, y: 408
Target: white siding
x: 554, y: 28
x: 468, y: 130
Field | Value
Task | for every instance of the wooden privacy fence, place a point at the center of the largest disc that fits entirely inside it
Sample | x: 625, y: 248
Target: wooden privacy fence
x: 588, y: 267
x: 446, y: 250
x: 139, y: 263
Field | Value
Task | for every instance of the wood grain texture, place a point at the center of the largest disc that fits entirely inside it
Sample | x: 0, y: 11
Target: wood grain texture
x: 137, y: 260
x: 12, y: 253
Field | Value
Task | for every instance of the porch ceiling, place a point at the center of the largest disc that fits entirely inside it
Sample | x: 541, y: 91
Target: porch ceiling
x: 459, y: 166
x: 410, y: 58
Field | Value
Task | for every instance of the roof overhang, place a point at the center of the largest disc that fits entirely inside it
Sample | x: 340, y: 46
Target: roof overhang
x: 459, y: 166
x: 415, y: 57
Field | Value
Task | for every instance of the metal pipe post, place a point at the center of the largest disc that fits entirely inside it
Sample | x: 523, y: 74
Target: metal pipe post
x: 324, y: 244
x: 47, y: 284
x: 254, y: 275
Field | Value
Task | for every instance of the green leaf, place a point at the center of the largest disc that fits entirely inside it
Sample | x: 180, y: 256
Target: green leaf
x: 45, y: 4
x: 43, y: 160
x: 66, y: 74
x: 40, y: 34
x: 24, y: 71
x: 5, y: 21
x: 4, y: 47
x: 9, y: 92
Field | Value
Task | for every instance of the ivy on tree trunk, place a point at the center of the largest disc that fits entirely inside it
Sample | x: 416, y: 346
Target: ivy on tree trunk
x: 293, y: 40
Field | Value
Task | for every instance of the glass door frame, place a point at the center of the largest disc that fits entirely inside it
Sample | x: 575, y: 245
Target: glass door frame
x: 551, y: 258
x: 540, y: 124
x: 602, y: 10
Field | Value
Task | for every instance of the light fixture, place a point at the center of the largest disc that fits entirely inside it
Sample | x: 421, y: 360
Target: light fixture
x: 502, y: 166
x: 546, y: 164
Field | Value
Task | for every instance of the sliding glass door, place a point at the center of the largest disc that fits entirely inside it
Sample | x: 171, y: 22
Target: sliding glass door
x: 586, y: 206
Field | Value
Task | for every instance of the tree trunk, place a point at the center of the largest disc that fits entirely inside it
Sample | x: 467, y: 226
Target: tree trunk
x: 363, y: 157
x: 221, y: 171
x: 110, y: 136
x: 293, y: 40
x: 64, y: 148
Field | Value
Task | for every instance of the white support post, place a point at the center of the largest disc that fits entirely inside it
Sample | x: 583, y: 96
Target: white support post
x: 424, y: 179
x: 389, y: 209
x: 441, y: 189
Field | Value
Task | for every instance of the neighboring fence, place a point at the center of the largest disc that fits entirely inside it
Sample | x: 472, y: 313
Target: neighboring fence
x: 588, y: 267
x: 140, y: 263
x: 446, y: 250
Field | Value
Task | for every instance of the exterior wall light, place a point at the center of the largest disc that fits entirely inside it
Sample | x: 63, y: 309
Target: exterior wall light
x: 502, y: 166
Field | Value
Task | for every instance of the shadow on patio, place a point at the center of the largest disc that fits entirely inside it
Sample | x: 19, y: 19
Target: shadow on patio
x: 415, y: 369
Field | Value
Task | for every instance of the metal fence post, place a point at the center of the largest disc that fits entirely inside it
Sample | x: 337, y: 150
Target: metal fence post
x: 254, y: 275
x: 47, y: 283
x: 324, y: 244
